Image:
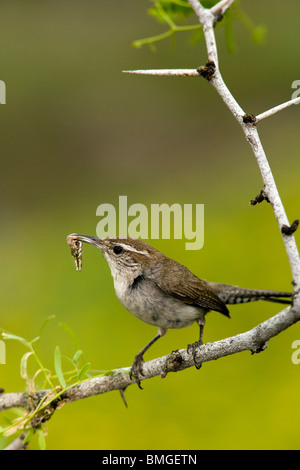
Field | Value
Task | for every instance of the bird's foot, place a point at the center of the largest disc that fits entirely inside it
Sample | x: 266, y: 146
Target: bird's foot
x: 192, y: 348
x: 136, y: 370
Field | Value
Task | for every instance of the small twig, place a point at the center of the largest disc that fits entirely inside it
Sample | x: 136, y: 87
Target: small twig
x: 18, y: 443
x: 221, y: 7
x: 289, y: 230
x: 259, y: 198
x: 276, y: 109
x: 166, y: 72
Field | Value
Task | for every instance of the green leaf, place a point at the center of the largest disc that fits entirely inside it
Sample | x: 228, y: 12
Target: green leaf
x: 23, y: 365
x: 58, y: 368
x: 15, y: 337
x: 34, y: 340
x: 170, y: 10
x: 259, y: 34
x: 83, y: 371
x: 174, y: 13
x: 41, y: 439
x: 45, y: 322
x: 77, y: 356
x: 29, y: 435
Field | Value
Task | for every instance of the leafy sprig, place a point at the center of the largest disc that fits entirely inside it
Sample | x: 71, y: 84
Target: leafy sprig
x: 65, y: 373
x: 175, y: 14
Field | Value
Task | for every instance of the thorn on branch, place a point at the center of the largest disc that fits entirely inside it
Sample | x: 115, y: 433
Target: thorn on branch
x: 207, y: 71
x: 249, y: 119
x: 260, y: 198
x: 286, y: 230
x: 122, y: 393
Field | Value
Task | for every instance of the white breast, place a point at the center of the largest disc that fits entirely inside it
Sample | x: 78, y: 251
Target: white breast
x: 153, y: 306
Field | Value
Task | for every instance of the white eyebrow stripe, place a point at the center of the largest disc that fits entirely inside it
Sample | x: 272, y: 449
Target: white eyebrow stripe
x: 131, y: 248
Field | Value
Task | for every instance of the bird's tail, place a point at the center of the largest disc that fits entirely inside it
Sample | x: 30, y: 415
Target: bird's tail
x: 237, y: 295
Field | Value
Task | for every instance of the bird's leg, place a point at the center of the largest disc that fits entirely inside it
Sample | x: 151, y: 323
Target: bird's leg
x: 201, y: 329
x: 137, y: 365
x: 193, y: 347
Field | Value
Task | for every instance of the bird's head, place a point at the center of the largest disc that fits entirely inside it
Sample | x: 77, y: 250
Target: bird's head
x: 125, y: 256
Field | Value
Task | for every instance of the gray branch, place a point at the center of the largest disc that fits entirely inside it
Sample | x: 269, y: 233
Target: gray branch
x: 18, y: 443
x: 206, y: 18
x: 276, y: 109
x: 254, y: 340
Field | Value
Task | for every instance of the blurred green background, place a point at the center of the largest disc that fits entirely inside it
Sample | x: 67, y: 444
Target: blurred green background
x: 76, y: 133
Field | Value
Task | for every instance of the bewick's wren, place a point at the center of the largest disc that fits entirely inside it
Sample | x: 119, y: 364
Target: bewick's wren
x: 160, y: 291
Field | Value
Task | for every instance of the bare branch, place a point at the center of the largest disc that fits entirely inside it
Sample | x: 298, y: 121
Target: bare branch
x: 166, y: 72
x: 253, y: 340
x: 272, y: 194
x: 221, y: 7
x: 275, y: 110
x: 252, y: 136
x: 18, y: 443
x: 13, y: 400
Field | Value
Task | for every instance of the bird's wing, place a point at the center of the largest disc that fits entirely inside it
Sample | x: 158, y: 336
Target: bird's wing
x: 192, y: 291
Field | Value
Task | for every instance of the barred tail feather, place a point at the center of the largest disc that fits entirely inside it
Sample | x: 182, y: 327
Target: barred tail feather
x: 236, y: 295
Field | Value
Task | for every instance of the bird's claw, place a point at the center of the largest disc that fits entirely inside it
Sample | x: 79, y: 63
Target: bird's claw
x: 136, y: 370
x: 192, y: 348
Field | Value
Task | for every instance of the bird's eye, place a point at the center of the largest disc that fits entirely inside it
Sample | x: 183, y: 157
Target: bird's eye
x: 118, y: 249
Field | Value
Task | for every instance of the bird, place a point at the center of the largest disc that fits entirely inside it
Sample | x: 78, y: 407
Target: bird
x: 162, y: 292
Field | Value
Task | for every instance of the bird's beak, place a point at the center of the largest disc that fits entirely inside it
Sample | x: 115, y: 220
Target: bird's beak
x: 84, y: 238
